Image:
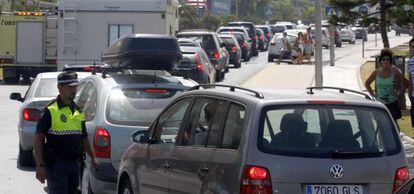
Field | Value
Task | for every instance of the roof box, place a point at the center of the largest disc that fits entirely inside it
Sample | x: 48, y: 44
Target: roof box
x: 144, y: 51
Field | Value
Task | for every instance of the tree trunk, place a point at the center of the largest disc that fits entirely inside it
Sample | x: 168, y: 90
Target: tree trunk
x: 383, y: 24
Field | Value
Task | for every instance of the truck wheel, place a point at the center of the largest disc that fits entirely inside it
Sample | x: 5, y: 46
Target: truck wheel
x: 26, y: 157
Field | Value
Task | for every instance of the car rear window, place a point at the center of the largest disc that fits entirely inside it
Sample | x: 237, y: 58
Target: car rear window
x: 47, y: 88
x: 327, y: 131
x: 278, y: 29
x: 207, y: 41
x: 248, y: 26
x: 227, y: 40
x: 232, y: 30
x: 137, y: 106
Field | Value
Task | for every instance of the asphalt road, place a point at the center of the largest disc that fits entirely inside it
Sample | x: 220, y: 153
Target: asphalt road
x: 17, y: 180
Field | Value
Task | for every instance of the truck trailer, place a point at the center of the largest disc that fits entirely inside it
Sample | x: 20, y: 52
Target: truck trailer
x: 28, y: 44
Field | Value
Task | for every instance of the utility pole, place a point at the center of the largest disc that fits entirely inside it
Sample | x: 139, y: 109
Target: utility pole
x: 318, y: 46
x: 237, y: 8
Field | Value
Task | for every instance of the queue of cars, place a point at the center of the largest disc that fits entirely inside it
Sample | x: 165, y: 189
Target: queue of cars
x: 154, y: 132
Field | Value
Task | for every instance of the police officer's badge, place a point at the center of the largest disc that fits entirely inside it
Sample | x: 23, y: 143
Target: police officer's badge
x: 63, y: 118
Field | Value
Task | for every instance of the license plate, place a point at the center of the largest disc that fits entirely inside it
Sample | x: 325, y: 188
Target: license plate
x: 334, y: 189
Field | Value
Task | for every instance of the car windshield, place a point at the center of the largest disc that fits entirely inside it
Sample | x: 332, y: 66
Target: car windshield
x: 137, y: 106
x: 327, y: 131
x: 47, y: 88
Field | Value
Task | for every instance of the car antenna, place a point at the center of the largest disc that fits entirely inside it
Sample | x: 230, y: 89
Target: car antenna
x: 94, y: 68
x: 154, y: 78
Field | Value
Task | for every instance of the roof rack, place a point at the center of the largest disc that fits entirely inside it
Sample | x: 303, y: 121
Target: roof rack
x: 341, y: 90
x: 232, y: 89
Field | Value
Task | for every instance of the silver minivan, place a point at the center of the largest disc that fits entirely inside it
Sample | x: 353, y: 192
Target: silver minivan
x: 227, y: 139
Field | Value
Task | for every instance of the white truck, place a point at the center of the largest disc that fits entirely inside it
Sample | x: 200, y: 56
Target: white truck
x: 87, y: 27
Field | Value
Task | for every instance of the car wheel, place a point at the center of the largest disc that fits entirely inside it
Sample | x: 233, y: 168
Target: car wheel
x: 269, y: 59
x: 126, y: 187
x: 26, y: 157
x: 239, y: 64
x: 85, y: 184
x: 218, y: 75
x: 223, y: 75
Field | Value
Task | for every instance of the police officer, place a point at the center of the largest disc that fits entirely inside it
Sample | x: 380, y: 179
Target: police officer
x: 62, y: 125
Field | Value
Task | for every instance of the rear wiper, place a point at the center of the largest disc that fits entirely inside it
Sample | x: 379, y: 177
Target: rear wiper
x: 349, y: 153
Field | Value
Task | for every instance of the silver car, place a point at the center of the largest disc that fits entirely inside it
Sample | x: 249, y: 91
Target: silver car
x: 42, y: 90
x: 227, y: 139
x: 115, y: 105
x: 348, y: 35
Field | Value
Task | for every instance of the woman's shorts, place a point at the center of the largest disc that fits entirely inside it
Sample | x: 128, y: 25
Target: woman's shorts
x: 394, y: 109
x: 307, y: 49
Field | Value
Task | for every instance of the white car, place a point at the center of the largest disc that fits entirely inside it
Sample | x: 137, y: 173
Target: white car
x: 276, y: 46
x: 348, y: 35
x: 325, y: 37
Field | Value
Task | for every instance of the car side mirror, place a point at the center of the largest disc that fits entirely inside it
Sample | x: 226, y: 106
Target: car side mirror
x: 250, y: 40
x: 16, y: 96
x: 141, y: 136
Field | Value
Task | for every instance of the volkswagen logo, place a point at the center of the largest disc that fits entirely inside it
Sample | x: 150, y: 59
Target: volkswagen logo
x: 336, y: 171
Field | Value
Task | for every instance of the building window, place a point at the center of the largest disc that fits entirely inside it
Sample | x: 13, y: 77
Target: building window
x: 117, y: 31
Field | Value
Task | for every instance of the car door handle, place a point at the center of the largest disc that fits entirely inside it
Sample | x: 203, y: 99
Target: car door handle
x: 204, y: 169
x: 166, y: 166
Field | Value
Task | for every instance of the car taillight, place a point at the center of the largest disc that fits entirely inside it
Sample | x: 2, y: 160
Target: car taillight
x: 244, y: 44
x: 199, y: 65
x: 256, y: 180
x: 102, y: 143
x: 31, y: 114
x: 156, y: 91
x: 261, y: 38
x: 401, y: 176
x: 217, y: 55
x: 268, y: 34
x: 51, y: 61
x: 88, y: 68
x: 233, y: 49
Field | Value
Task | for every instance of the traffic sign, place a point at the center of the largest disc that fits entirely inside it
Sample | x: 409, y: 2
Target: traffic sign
x: 363, y: 9
x: 269, y: 11
x: 331, y: 10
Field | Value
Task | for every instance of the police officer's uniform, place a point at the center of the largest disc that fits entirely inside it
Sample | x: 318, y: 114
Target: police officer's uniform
x: 64, y: 128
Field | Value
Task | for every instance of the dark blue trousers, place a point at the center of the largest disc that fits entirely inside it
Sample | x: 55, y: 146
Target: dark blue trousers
x: 63, y: 177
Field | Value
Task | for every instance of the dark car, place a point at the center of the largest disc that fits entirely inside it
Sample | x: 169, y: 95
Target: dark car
x: 267, y: 31
x: 403, y: 30
x: 233, y: 47
x: 214, y: 48
x: 245, y: 44
x: 252, y: 33
x: 263, y: 42
x: 195, y: 65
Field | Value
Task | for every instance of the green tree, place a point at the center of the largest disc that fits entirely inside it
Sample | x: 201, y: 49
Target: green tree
x: 390, y: 12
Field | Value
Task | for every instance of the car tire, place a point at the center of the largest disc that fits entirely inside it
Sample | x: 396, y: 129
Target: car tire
x: 238, y: 65
x: 85, y: 184
x: 269, y: 59
x: 218, y: 75
x: 126, y: 187
x: 26, y: 157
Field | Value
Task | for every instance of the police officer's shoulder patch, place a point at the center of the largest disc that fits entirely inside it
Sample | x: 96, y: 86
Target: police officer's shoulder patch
x: 63, y: 118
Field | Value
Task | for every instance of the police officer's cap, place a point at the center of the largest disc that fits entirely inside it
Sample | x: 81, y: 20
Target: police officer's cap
x: 68, y: 78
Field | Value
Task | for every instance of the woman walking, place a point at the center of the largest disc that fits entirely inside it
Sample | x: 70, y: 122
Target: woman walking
x: 299, y: 48
x: 390, y: 83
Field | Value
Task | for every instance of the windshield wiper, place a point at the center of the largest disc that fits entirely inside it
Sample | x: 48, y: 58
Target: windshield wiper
x: 350, y: 153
